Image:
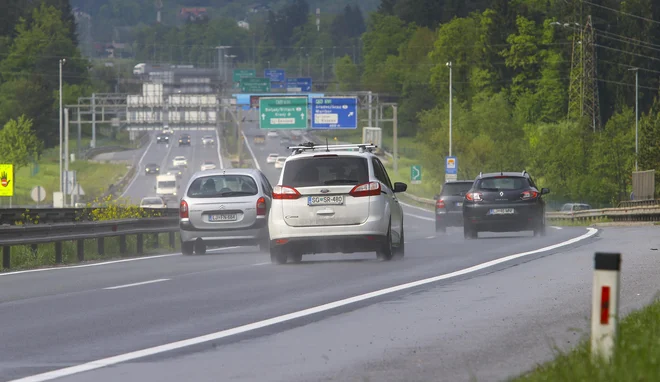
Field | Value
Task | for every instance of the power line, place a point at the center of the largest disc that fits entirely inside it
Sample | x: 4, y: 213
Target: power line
x: 622, y: 12
x: 625, y: 84
x: 626, y: 52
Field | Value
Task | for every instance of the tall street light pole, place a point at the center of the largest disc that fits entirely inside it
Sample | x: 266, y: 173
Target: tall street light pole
x: 450, y: 105
x: 62, y: 62
x: 636, y: 116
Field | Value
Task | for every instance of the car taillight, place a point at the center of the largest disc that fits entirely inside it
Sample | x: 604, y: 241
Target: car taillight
x: 474, y: 196
x: 284, y: 192
x: 366, y: 189
x: 261, y: 206
x: 439, y: 204
x: 183, y: 210
x: 529, y: 195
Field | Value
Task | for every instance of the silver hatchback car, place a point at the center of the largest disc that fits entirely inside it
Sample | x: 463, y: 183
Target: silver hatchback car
x: 225, y: 208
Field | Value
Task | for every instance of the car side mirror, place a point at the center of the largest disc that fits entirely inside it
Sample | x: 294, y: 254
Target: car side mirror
x: 400, y: 187
x: 545, y: 191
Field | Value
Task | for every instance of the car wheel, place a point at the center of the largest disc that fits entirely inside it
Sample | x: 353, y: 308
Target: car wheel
x: 401, y: 248
x: 200, y: 247
x: 277, y: 255
x: 440, y: 227
x: 386, y: 252
x: 295, y: 257
x: 469, y: 231
x: 540, y: 229
x: 187, y: 248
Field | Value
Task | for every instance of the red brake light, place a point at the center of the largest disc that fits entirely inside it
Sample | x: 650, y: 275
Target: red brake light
x: 474, y: 196
x: 183, y: 210
x: 439, y: 204
x: 366, y: 189
x: 529, y: 195
x: 261, y: 206
x: 284, y: 192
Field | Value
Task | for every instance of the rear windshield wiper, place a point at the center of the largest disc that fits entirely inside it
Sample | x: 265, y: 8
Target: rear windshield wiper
x: 341, y: 181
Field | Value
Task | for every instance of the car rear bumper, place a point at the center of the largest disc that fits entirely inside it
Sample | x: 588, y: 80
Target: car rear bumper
x: 525, y: 217
x: 332, y: 244
x: 252, y: 235
x: 449, y: 218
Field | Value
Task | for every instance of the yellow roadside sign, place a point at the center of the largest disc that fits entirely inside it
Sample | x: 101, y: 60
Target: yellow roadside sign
x: 6, y: 180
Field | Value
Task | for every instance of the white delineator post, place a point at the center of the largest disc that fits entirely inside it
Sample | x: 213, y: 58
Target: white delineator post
x: 605, y: 304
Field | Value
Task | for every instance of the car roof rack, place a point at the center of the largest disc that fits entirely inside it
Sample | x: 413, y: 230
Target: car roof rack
x: 311, y: 146
x: 524, y: 173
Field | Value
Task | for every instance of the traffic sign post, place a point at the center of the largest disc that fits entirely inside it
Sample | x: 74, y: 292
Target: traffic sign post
x: 255, y: 85
x: 298, y: 85
x: 416, y: 174
x: 275, y: 75
x: 239, y: 74
x: 283, y: 113
x: 334, y: 113
x: 451, y: 169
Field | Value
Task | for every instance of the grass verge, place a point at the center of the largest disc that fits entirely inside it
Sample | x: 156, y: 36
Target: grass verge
x: 578, y: 223
x: 24, y: 257
x: 636, y: 356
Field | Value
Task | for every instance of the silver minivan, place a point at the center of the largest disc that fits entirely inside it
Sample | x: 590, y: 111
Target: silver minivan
x: 227, y: 207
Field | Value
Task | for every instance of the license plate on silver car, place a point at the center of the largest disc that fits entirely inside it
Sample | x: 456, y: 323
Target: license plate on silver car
x: 325, y: 200
x: 459, y: 204
x: 223, y: 218
x: 501, y: 211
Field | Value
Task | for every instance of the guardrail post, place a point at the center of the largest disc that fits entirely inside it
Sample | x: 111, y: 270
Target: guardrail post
x: 58, y: 252
x: 156, y: 239
x: 81, y: 250
x: 6, y: 257
x: 605, y: 304
x: 171, y: 238
x: 100, y: 246
x: 140, y: 243
x: 122, y: 244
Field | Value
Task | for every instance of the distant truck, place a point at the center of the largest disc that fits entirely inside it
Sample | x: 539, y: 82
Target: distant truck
x: 259, y: 139
x: 166, y: 186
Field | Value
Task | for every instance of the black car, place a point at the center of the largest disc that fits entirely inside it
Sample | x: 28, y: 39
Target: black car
x: 152, y: 169
x: 184, y: 140
x: 504, y: 202
x: 449, y: 204
x: 162, y: 138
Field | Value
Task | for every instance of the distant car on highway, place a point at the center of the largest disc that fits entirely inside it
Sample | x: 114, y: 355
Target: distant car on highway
x: 176, y: 171
x: 574, y: 207
x: 335, y: 201
x: 272, y: 157
x: 184, y: 140
x: 272, y: 134
x: 168, y: 131
x: 180, y: 161
x: 152, y: 169
x: 504, y: 202
x: 285, y: 141
x: 449, y: 204
x: 279, y: 162
x: 208, y: 140
x: 162, y: 138
x: 208, y: 165
x: 225, y: 207
x: 153, y: 202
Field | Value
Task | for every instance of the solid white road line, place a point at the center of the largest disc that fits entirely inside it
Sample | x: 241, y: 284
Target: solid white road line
x: 431, y: 237
x: 415, y: 207
x: 135, y: 284
x: 287, y: 317
x: 254, y: 158
x: 139, y: 167
x: 217, y: 146
x: 420, y: 217
x: 555, y: 227
x: 106, y: 262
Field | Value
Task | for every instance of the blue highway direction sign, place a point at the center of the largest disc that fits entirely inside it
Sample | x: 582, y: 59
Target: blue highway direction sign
x: 298, y: 85
x: 334, y: 113
x: 275, y: 75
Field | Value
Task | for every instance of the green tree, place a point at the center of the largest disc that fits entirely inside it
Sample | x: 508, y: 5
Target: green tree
x: 18, y: 142
x: 347, y: 74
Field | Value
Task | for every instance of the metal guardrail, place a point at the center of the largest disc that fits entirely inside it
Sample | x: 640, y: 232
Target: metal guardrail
x: 34, y: 234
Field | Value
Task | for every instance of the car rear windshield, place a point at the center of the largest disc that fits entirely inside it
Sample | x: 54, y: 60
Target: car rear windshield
x: 220, y: 186
x: 456, y: 189
x: 502, y: 183
x: 326, y: 171
x: 167, y: 184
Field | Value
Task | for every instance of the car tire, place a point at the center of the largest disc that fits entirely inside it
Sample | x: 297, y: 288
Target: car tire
x: 187, y: 248
x: 401, y: 248
x: 469, y: 231
x: 440, y: 227
x: 277, y: 255
x: 200, y: 247
x: 540, y: 230
x: 386, y: 252
x: 295, y: 257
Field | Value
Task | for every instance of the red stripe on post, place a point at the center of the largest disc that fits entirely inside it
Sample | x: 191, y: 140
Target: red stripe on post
x: 605, y: 305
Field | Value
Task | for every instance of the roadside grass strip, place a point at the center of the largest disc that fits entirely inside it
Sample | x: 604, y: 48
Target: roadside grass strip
x: 636, y: 355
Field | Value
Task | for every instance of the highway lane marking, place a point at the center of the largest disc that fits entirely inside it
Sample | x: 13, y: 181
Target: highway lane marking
x: 268, y: 262
x: 106, y: 262
x: 136, y: 284
x: 67, y: 371
x: 139, y: 167
x: 254, y: 158
x: 552, y: 226
x: 217, y: 147
x: 420, y: 217
x: 430, y: 237
x: 415, y: 207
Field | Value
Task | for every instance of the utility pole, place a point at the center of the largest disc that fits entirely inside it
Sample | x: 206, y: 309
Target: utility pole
x: 636, y: 117
x: 239, y: 128
x: 93, y: 143
x: 322, y: 65
x: 450, y: 105
x: 62, y: 61
x: 395, y: 140
x: 66, y: 149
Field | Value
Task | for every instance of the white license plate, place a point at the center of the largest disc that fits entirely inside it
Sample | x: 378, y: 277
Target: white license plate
x: 502, y: 211
x: 325, y: 200
x: 223, y: 218
x: 459, y: 204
